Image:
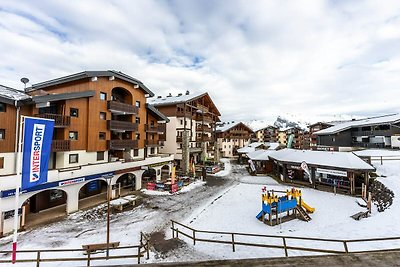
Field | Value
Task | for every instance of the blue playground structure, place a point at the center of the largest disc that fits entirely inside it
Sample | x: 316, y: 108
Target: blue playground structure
x: 291, y: 203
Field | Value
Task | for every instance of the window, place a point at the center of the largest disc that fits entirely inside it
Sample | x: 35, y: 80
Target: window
x: 103, y: 116
x: 137, y: 136
x: 100, y: 155
x: 181, y: 122
x: 136, y: 152
x: 138, y: 104
x: 102, y: 136
x: 103, y: 96
x: 2, y: 107
x: 152, y: 150
x: 73, y: 112
x: 137, y: 120
x: 73, y: 158
x: 2, y: 134
x: 2, y: 163
x: 73, y: 136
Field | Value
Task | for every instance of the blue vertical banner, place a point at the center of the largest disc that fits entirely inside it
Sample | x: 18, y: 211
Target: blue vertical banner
x: 38, y: 134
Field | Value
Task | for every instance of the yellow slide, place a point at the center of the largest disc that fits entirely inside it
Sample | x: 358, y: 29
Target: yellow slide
x: 308, y: 208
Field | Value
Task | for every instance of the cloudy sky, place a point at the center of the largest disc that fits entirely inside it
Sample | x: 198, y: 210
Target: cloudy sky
x: 257, y: 59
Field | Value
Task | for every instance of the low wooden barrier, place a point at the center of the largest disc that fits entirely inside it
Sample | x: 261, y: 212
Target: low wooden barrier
x: 193, y: 234
x: 135, y: 252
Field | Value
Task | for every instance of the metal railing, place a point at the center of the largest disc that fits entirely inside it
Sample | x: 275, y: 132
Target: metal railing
x: 59, y: 120
x: 44, y: 255
x: 60, y: 145
x: 119, y: 107
x: 233, y: 237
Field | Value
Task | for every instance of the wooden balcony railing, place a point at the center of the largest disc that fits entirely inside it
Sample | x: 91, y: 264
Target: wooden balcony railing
x: 152, y: 142
x: 205, y: 128
x: 122, y: 144
x: 59, y: 120
x: 60, y: 145
x: 114, y: 125
x: 121, y: 108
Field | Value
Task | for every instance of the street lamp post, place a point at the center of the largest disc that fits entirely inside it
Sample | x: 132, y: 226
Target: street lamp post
x: 108, y: 178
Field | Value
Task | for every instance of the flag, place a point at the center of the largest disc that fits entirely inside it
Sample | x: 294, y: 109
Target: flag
x: 173, y: 175
x: 36, y: 149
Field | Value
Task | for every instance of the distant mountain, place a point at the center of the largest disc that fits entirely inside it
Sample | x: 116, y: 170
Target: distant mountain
x: 283, y: 123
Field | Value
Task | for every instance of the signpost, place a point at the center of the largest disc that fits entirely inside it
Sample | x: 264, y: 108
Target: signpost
x: 35, y: 136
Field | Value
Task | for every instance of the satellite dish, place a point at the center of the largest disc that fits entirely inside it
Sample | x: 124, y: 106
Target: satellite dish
x: 24, y: 80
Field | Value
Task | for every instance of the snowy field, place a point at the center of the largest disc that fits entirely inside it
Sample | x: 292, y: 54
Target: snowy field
x: 231, y: 206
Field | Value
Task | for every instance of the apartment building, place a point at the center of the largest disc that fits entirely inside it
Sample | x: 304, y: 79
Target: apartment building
x: 269, y: 134
x: 194, y: 114
x: 105, y: 134
x: 313, y: 128
x: 374, y: 132
x: 231, y: 137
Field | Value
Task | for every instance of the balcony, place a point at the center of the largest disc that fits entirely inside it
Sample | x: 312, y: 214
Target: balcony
x: 152, y: 143
x: 205, y: 118
x: 205, y: 128
x: 205, y: 138
x: 155, y: 128
x: 60, y: 121
x: 60, y: 145
x: 122, y: 144
x: 121, y: 108
x: 122, y: 126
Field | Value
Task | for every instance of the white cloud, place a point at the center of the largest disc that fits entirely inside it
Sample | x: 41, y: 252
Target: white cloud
x: 258, y: 60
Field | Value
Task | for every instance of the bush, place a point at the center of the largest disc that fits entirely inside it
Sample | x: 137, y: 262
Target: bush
x: 382, y: 196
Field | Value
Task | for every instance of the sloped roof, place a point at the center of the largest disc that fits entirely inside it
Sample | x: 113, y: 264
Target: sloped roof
x: 260, y: 154
x: 387, y: 119
x: 227, y: 127
x: 180, y: 99
x: 10, y: 95
x: 343, y: 160
x: 156, y: 113
x: 90, y: 74
x: 377, y: 153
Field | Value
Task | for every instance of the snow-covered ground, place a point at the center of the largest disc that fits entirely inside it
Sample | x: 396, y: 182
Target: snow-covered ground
x: 229, y: 201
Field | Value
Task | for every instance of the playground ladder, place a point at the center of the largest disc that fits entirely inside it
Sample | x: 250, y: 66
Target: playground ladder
x: 303, y: 214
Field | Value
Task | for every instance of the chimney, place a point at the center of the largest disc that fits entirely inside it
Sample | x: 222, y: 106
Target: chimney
x: 180, y: 94
x: 169, y: 95
x: 159, y: 96
x: 187, y: 92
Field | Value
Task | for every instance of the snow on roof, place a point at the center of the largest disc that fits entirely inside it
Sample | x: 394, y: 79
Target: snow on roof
x: 167, y: 100
x: 226, y: 127
x: 252, y: 147
x: 260, y: 154
x: 246, y: 149
x: 345, y: 160
x: 387, y: 119
x: 377, y: 153
x: 256, y: 144
x: 273, y: 146
x: 12, y: 94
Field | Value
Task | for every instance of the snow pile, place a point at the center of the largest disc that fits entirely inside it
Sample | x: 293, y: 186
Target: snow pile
x: 192, y: 186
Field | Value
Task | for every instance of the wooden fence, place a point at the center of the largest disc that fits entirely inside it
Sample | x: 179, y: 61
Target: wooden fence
x: 44, y: 255
x: 232, y: 239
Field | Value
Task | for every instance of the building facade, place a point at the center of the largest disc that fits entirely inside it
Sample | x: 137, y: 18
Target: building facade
x: 231, y: 137
x: 375, y: 132
x: 190, y: 134
x: 105, y: 134
x: 313, y: 128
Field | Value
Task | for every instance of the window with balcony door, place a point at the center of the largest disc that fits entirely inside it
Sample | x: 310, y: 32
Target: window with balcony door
x: 2, y: 107
x: 100, y: 155
x: 136, y: 152
x: 74, y: 112
x: 2, y: 163
x: 137, y: 120
x: 103, y: 116
x: 103, y: 96
x: 73, y: 158
x: 73, y: 135
x: 138, y: 104
x: 2, y: 134
x: 137, y: 136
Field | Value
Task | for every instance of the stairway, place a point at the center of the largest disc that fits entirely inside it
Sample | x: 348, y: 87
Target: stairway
x: 303, y: 214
